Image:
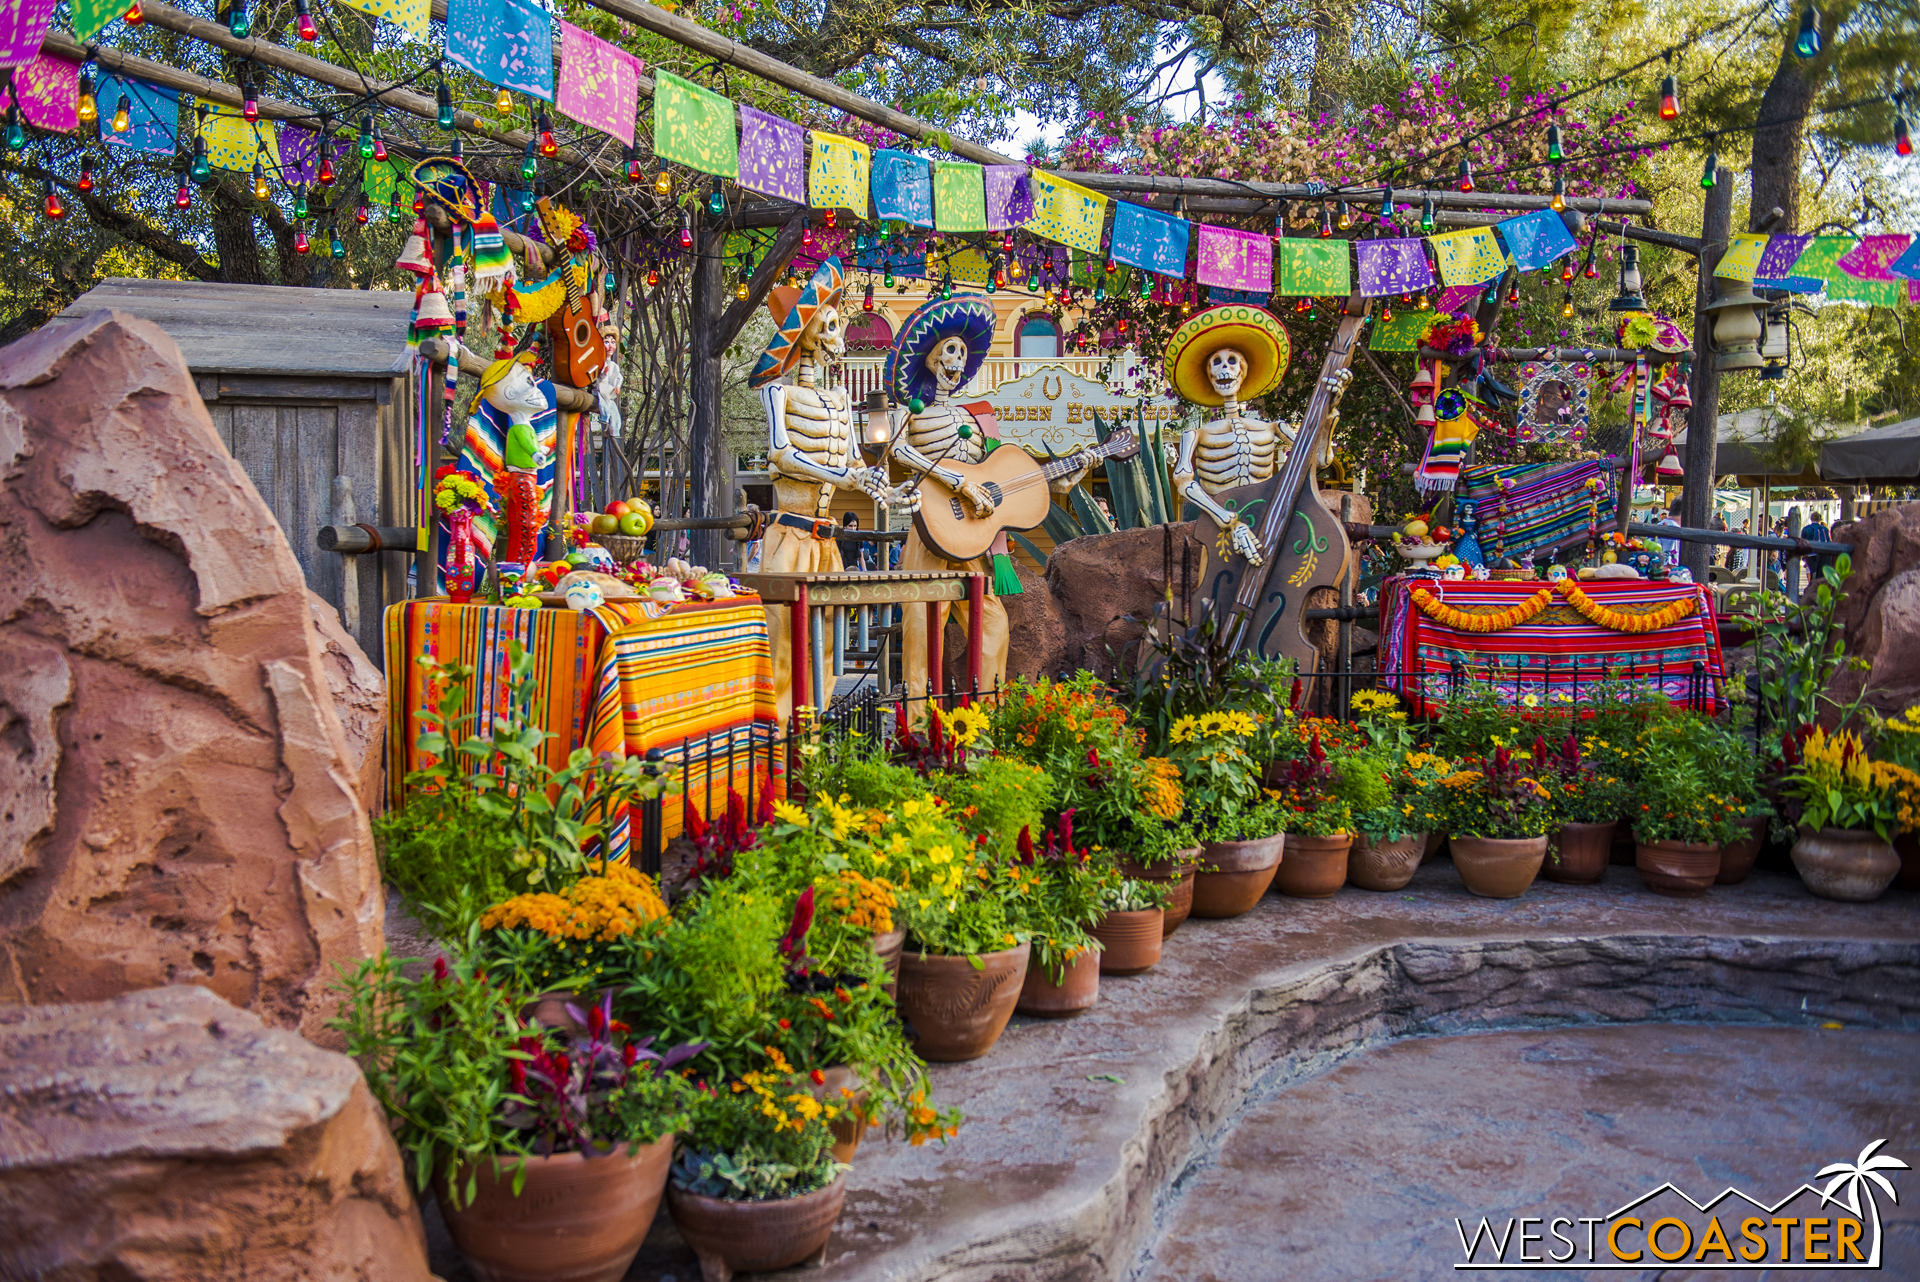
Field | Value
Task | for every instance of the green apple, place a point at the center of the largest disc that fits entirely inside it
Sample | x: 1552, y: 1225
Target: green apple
x: 633, y: 525
x: 604, y: 524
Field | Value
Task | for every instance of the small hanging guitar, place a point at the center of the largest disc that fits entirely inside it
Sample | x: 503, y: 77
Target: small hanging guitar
x: 579, y: 350
x: 1257, y: 609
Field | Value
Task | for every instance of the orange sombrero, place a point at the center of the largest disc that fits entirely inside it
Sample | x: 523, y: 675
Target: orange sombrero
x: 793, y: 310
x: 1251, y: 330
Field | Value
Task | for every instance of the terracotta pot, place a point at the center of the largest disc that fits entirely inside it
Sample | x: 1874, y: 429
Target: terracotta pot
x: 957, y: 1012
x: 1907, y: 846
x: 1315, y: 867
x: 757, y: 1237
x: 1850, y: 864
x: 852, y: 1123
x: 1385, y: 863
x: 1498, y: 868
x: 1179, y: 884
x: 1736, y: 859
x: 887, y: 948
x: 1584, y: 850
x: 1435, y: 840
x: 1679, y: 868
x: 576, y: 1219
x: 1078, y: 989
x: 1232, y: 875
x: 1130, y: 941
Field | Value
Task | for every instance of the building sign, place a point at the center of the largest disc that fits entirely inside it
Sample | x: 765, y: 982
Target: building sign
x: 1052, y: 408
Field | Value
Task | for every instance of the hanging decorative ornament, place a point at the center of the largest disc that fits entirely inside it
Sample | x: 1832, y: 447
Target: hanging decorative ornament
x: 634, y: 173
x: 85, y: 184
x: 325, y: 174
x: 1426, y: 214
x: 1559, y: 201
x: 201, y: 170
x: 866, y: 303
x: 300, y: 245
x: 717, y: 200
x: 529, y: 167
x: 86, y: 110
x: 833, y: 219
x: 55, y: 210
x: 686, y: 231
x: 1326, y: 223
x: 396, y: 212
x: 549, y: 147
x: 443, y: 98
x: 663, y: 181
x: 361, y: 213
x: 1669, y: 98
x: 366, y: 137
x: 1465, y: 182
x: 122, y: 121
x: 1346, y: 217
x: 1709, y: 172
x: 300, y: 201
x: 303, y: 19
x: 16, y: 132
x: 1805, y: 45
x: 260, y: 189
x: 1386, y: 201
x: 1555, y: 152
x: 503, y: 103
x: 653, y: 277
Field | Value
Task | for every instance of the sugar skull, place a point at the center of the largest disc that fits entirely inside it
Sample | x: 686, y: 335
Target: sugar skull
x: 582, y: 595
x: 1227, y: 371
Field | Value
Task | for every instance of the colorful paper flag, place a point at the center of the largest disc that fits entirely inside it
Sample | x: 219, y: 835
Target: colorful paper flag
x: 1402, y: 333
x: 49, y: 89
x: 693, y: 126
x: 902, y: 187
x: 1066, y: 212
x: 773, y: 155
x: 299, y: 154
x: 1009, y: 196
x: 837, y: 176
x: 599, y: 85
x: 1872, y: 257
x: 90, y: 17
x: 1469, y: 256
x: 408, y: 15
x: 1393, y: 266
x: 969, y: 267
x: 234, y: 143
x: 1536, y: 239
x: 1218, y: 296
x: 153, y: 114
x: 1742, y: 257
x: 1459, y: 299
x: 1306, y: 266
x: 1150, y: 240
x: 505, y: 42
x: 1907, y: 265
x: 1233, y: 259
x: 377, y: 181
x: 1782, y: 251
x: 23, y: 29
x: 1820, y: 260
x: 959, y: 197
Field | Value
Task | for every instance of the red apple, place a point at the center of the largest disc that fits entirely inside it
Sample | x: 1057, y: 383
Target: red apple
x: 617, y: 508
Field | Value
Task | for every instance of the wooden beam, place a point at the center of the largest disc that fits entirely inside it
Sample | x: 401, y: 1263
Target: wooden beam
x: 709, y: 476
x: 730, y: 322
x: 1651, y: 235
x: 167, y: 77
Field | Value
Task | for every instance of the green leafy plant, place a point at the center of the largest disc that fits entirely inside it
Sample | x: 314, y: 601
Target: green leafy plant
x: 1833, y: 783
x: 761, y: 1138
x: 1801, y: 649
x: 1674, y: 800
x: 1063, y: 898
x: 489, y: 818
x: 1581, y: 793
x: 1500, y: 800
x: 1125, y: 895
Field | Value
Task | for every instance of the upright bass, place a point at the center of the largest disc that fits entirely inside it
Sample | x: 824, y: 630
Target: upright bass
x: 1303, y: 545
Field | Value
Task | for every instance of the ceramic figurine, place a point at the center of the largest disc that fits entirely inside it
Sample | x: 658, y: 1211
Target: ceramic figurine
x: 585, y: 596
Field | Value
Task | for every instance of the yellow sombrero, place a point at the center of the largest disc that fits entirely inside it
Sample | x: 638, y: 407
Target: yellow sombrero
x: 498, y: 370
x: 1252, y: 330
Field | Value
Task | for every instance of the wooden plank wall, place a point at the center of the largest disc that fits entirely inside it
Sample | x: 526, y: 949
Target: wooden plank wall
x: 292, y: 437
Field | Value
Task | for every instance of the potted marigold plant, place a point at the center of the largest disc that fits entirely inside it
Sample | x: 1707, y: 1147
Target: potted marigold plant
x: 1498, y: 817
x: 1390, y: 835
x: 1589, y: 802
x: 1849, y: 808
x: 1682, y: 823
x: 1129, y: 929
x: 1241, y: 838
x: 755, y: 1186
x: 556, y: 943
x: 505, y: 1120
x: 1318, y: 818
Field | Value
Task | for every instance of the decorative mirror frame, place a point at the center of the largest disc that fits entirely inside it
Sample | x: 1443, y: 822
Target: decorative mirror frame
x: 1537, y: 425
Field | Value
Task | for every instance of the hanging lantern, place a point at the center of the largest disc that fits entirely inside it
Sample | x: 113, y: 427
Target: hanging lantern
x: 260, y: 189
x: 85, y: 184
x: 86, y: 110
x: 1805, y: 45
x: 300, y: 245
x: 1465, y: 182
x: 1628, y: 298
x: 1737, y: 328
x: 1555, y: 152
x: 548, y: 147
x: 444, y: 97
x: 304, y: 20
x: 686, y: 231
x: 1669, y: 99
x: 1559, y: 201
x: 503, y: 103
x: 55, y: 210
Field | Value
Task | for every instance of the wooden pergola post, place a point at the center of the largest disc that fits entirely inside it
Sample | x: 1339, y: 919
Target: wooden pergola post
x: 1703, y: 420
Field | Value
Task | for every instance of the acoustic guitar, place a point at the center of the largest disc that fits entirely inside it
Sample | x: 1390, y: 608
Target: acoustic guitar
x: 1018, y: 484
x: 1303, y: 545
x: 579, y: 350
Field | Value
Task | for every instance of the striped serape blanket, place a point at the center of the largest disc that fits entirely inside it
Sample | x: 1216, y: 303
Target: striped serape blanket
x: 1534, y: 507
x: 1556, y: 655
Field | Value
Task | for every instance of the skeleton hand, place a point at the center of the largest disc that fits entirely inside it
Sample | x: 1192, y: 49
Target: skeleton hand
x: 977, y: 497
x: 1082, y: 465
x: 871, y: 480
x: 902, y: 496
x: 1244, y: 544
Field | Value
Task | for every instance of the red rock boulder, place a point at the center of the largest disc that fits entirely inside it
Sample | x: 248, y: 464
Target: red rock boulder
x: 165, y: 1136
x: 181, y: 806
x: 1880, y: 608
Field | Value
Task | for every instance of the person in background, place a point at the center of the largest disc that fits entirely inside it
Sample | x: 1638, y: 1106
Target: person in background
x: 1669, y: 547
x: 1737, y: 557
x: 1816, y: 530
x: 855, y: 553
x: 1719, y: 526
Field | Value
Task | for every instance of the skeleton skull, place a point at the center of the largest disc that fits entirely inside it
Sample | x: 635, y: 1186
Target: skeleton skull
x: 824, y: 334
x: 1227, y: 370
x: 517, y: 394
x: 947, y: 362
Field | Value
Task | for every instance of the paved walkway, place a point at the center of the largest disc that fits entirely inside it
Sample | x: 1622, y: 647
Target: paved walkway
x: 1061, y: 1172
x: 1360, y: 1173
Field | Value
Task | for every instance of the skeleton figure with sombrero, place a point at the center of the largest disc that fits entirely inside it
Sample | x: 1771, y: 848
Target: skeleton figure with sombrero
x: 812, y: 446
x: 1226, y: 356
x: 938, y: 350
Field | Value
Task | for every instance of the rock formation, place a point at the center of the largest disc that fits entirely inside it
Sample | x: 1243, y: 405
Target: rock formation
x: 1881, y: 608
x: 1099, y: 580
x: 359, y: 701
x: 165, y: 1136
x: 181, y: 806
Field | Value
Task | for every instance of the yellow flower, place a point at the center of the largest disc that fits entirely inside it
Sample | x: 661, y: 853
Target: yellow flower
x: 788, y: 813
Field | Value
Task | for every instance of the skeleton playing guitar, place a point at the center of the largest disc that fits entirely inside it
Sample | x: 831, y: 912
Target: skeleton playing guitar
x: 1258, y: 608
x: 1018, y: 484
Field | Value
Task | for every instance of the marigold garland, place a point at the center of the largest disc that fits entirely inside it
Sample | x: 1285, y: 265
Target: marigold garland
x: 1513, y: 616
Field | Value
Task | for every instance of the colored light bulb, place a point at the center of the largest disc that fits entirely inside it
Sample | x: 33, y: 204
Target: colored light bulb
x: 201, y: 170
x: 1807, y: 43
x: 1421, y: 304
x: 866, y: 303
x: 1465, y: 182
x: 362, y: 214
x: 503, y: 103
x: 1710, y: 170
x: 419, y: 202
x: 339, y: 247
x: 1669, y: 99
x: 183, y: 197
x: 1902, y: 143
x: 1426, y: 215
x: 1555, y: 152
x: 1346, y: 217
x: 686, y: 233
x: 1591, y: 271
x: 250, y: 108
x: 1386, y: 202
x: 133, y: 17
x: 395, y: 212
x: 87, y: 109
x: 1559, y: 200
x: 55, y: 210
x: 946, y: 287
x: 1513, y: 296
x: 548, y: 147
x: 653, y: 277
x: 806, y: 238
x: 1006, y: 243
x: 379, y: 143
x: 740, y: 290
x: 634, y: 173
x: 529, y: 167
x: 717, y: 201
x: 304, y: 20
x: 121, y: 120
x: 1566, y: 272
x: 1386, y: 310
x: 1566, y: 308
x: 888, y: 281
x: 300, y: 245
x: 1326, y: 224
x: 300, y: 202
x: 325, y: 174
x: 260, y: 189
x: 86, y: 179
x: 366, y: 138
x: 444, y: 97
x: 833, y: 219
x: 16, y: 132
x: 663, y: 182
x: 1099, y: 291
x: 237, y: 24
